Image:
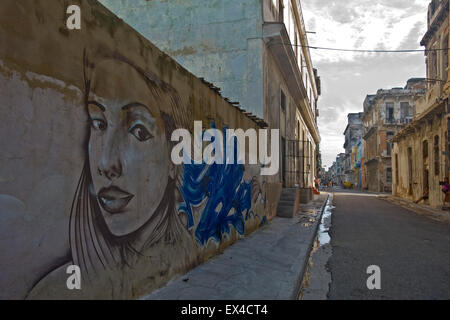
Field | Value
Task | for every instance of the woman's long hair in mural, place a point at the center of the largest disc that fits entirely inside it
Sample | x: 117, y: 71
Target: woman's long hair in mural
x: 94, y: 248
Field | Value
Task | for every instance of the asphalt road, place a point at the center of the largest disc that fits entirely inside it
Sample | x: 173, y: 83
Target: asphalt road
x: 412, y: 251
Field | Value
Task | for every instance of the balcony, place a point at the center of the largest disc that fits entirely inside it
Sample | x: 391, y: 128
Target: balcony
x: 402, y: 121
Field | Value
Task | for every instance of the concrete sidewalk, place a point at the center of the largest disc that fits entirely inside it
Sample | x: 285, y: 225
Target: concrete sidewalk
x: 269, y: 264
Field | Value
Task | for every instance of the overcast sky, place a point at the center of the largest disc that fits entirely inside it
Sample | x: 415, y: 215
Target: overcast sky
x: 348, y: 77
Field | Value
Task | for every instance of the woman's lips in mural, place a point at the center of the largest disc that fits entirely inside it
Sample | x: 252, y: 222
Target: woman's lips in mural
x: 113, y: 199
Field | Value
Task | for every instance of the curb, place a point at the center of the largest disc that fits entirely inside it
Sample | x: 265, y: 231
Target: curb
x: 304, y: 263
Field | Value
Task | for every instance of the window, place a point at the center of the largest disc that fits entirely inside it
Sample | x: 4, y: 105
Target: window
x: 436, y: 156
x: 283, y: 101
x: 389, y: 136
x: 425, y: 149
x: 389, y: 112
x: 406, y: 111
x: 281, y: 10
x: 410, y: 171
x: 396, y: 169
x: 389, y: 149
x: 445, y: 60
x: 389, y: 175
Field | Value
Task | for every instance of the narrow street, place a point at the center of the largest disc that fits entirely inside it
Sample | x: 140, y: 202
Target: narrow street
x: 211, y: 151
x: 412, y: 252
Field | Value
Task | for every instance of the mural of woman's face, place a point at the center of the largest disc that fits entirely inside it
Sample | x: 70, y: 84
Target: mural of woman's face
x: 128, y: 149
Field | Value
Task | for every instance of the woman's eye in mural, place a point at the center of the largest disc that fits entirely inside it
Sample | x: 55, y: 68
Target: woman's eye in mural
x: 140, y: 132
x: 98, y: 124
x: 96, y: 114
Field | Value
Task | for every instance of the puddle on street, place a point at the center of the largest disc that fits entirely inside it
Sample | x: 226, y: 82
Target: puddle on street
x: 325, y: 224
x: 316, y: 273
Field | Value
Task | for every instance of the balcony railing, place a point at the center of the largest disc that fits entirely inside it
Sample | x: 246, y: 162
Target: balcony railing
x: 402, y: 121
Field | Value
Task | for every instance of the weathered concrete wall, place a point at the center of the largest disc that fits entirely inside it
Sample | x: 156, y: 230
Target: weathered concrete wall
x: 411, y: 181
x: 85, y: 170
x: 215, y: 39
x: 376, y: 173
x: 384, y: 127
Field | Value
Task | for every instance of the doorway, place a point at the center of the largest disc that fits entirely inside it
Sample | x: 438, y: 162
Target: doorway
x: 426, y: 170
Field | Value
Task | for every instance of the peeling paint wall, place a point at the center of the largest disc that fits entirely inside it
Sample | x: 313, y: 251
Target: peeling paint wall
x: 381, y: 125
x: 409, y: 171
x: 85, y: 172
x: 421, y: 150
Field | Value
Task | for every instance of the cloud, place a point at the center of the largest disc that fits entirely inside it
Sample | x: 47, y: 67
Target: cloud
x: 348, y: 77
x: 413, y: 38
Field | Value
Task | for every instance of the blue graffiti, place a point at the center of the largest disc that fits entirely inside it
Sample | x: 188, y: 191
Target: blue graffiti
x: 227, y: 198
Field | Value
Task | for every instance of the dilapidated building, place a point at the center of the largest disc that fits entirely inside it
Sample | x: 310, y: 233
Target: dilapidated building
x: 337, y: 169
x: 357, y: 164
x: 353, y: 133
x: 386, y: 113
x: 420, y: 156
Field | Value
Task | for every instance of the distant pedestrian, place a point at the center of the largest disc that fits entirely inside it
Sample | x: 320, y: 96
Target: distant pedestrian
x: 425, y: 195
x: 445, y: 189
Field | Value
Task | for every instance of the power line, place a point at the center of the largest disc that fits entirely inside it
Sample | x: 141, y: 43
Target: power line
x: 434, y: 80
x: 362, y: 50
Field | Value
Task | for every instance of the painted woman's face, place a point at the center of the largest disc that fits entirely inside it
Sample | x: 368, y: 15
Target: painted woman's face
x: 128, y: 149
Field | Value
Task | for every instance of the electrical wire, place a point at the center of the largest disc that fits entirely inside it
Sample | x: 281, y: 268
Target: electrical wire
x: 362, y: 50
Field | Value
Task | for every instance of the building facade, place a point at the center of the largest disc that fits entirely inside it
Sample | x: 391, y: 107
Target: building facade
x: 256, y: 52
x: 331, y: 173
x: 421, y: 150
x: 352, y: 133
x: 386, y: 113
x: 336, y: 171
x: 340, y: 169
x: 357, y: 162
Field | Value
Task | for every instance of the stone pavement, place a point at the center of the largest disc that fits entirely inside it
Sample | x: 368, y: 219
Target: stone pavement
x: 269, y: 264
